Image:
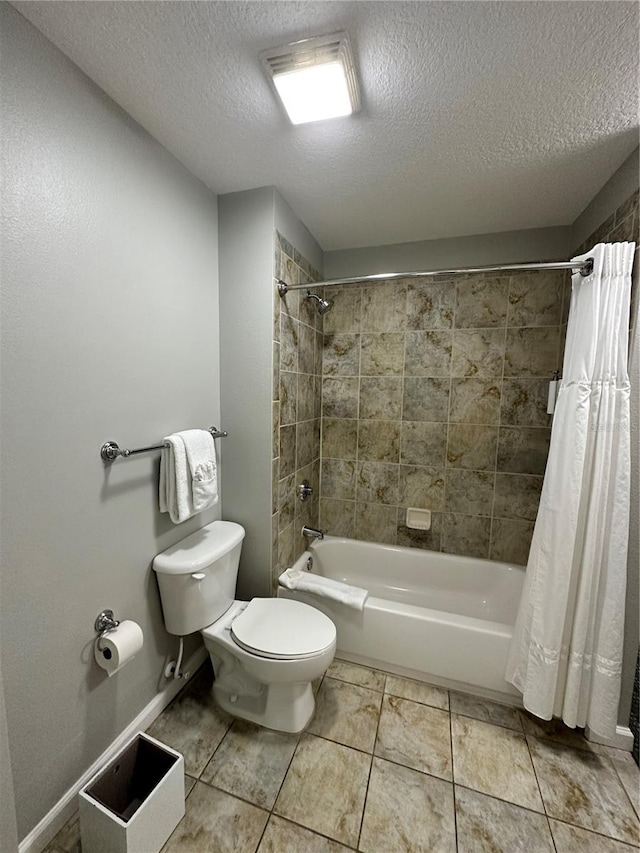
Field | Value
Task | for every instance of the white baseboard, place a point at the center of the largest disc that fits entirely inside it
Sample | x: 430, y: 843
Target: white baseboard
x: 66, y: 806
x: 623, y: 738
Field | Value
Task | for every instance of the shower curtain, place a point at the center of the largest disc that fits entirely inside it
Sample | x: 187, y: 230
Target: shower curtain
x: 566, y: 653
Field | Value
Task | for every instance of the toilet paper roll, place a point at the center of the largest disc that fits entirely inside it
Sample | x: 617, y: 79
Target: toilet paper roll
x: 119, y: 646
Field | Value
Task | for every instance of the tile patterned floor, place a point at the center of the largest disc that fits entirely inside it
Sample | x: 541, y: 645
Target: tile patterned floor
x: 388, y: 764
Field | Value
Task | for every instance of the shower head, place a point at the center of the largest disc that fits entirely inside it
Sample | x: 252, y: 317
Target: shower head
x: 323, y: 305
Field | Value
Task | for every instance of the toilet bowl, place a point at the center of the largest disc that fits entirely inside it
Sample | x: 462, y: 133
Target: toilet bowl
x: 265, y: 652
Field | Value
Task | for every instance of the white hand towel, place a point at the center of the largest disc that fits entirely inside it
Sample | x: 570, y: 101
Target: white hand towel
x: 201, y: 456
x: 351, y: 596
x: 175, y: 481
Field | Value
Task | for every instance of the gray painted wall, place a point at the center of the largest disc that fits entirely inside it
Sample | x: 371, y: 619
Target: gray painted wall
x: 246, y: 304
x: 297, y: 232
x: 616, y: 191
x: 534, y: 244
x: 247, y: 293
x: 109, y: 331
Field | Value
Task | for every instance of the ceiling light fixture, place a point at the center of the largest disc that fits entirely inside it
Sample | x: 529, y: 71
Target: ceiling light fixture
x: 315, y: 78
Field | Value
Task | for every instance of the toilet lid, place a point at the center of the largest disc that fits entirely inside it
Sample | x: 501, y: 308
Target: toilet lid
x: 282, y: 628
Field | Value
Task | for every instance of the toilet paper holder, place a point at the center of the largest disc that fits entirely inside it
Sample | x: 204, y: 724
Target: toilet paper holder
x: 104, y: 623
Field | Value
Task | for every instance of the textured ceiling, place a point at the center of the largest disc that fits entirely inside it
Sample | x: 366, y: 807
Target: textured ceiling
x: 477, y: 116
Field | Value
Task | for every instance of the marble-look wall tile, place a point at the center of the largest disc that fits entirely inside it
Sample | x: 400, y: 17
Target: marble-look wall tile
x: 275, y: 376
x: 522, y: 450
x: 382, y: 354
x: 447, y: 375
x: 338, y: 516
x: 286, y: 547
x: 338, y: 479
x: 535, y: 299
x: 341, y: 355
x: 510, y: 540
x: 532, y: 352
x: 344, y: 317
x: 286, y: 500
x: 377, y: 483
x: 297, y: 388
x: 475, y: 401
x: 381, y: 397
x: 307, y: 442
x: 425, y: 399
x: 409, y: 537
x: 288, y: 397
x: 275, y: 429
x: 288, y: 343
x: 379, y: 441
x: 384, y: 307
x: 517, y: 496
x: 430, y: 305
x: 340, y: 397
x: 307, y: 394
x: 428, y: 354
x: 478, y: 352
x: 469, y: 492
x: 423, y: 443
x: 466, y: 535
x: 376, y: 523
x: 481, y: 302
x: 339, y: 438
x: 287, y: 450
x: 421, y: 487
x: 472, y: 446
x: 524, y: 403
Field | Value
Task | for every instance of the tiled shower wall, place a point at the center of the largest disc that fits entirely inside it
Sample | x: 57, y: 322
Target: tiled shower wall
x: 434, y: 396
x: 297, y: 387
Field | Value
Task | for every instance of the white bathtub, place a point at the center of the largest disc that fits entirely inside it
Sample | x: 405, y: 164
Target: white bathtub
x: 436, y: 617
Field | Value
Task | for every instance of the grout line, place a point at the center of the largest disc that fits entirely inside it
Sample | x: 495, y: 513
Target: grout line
x: 453, y: 772
x: 373, y: 752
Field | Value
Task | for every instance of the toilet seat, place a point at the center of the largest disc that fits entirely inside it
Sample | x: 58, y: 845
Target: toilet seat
x: 282, y: 629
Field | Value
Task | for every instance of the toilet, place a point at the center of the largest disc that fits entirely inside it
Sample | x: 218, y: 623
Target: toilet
x: 265, y: 652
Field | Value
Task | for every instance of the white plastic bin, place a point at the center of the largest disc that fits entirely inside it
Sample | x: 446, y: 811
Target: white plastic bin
x: 135, y: 802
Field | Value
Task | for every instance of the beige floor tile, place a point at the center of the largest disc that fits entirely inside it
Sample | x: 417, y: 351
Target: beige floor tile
x: 582, y: 788
x: 189, y: 782
x: 571, y: 839
x: 251, y: 763
x: 418, y: 691
x: 347, y: 714
x: 281, y: 836
x: 554, y: 730
x: 415, y: 735
x: 407, y: 811
x: 494, y: 761
x: 628, y: 773
x: 218, y: 823
x: 354, y: 674
x: 487, y: 825
x: 193, y: 724
x: 483, y: 709
x: 325, y: 788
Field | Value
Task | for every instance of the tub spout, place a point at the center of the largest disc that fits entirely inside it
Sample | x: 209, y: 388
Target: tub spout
x: 312, y: 533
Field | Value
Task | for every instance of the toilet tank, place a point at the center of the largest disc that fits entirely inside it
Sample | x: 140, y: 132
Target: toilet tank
x: 197, y: 576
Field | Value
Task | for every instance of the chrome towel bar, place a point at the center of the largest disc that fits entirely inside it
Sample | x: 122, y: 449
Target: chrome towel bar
x: 110, y: 449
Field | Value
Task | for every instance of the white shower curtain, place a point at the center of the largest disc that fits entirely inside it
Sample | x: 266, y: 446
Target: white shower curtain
x: 566, y: 652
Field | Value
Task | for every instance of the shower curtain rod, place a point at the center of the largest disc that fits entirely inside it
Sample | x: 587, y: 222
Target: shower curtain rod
x: 584, y: 267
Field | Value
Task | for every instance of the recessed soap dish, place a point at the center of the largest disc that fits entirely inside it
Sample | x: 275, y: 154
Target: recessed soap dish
x: 418, y: 519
